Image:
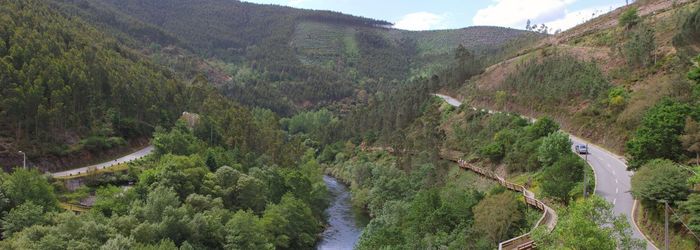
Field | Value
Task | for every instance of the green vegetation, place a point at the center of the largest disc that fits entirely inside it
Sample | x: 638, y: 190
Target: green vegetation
x: 690, y: 31
x: 629, y: 18
x: 539, y: 83
x: 661, y: 145
x: 280, y: 58
x: 327, y: 92
x: 62, y: 76
x: 657, y: 137
x: 640, y: 47
x: 660, y: 180
x: 589, y: 224
x: 179, y: 201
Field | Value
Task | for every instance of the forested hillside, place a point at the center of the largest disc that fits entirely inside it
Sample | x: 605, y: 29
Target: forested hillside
x: 627, y: 80
x: 67, y: 87
x: 224, y: 177
x: 277, y: 57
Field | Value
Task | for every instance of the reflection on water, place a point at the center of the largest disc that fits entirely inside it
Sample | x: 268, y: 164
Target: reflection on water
x: 345, y: 223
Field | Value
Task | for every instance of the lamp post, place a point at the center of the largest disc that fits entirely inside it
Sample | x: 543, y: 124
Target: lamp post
x: 24, y: 159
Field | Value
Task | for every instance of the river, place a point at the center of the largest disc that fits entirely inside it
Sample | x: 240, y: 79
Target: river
x: 345, y: 223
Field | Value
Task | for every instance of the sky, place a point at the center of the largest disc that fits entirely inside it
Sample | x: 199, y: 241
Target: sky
x: 453, y: 14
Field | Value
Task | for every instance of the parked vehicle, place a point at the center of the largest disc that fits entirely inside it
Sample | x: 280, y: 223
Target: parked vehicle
x: 581, y: 149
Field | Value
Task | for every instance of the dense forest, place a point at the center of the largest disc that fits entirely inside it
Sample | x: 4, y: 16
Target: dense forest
x: 276, y: 57
x: 67, y: 87
x: 229, y: 178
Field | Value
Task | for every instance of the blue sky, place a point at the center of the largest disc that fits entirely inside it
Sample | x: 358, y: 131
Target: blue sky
x: 450, y: 14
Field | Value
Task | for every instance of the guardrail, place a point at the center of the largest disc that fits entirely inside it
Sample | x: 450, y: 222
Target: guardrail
x: 77, y: 208
x: 548, y: 219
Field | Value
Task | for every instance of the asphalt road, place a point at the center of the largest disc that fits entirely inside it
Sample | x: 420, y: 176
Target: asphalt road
x: 611, y: 177
x: 133, y: 156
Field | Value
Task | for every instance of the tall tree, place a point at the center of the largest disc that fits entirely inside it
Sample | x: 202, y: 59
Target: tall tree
x: 660, y: 180
x: 658, y: 136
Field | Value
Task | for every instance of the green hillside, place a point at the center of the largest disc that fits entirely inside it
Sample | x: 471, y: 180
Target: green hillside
x: 67, y: 87
x: 277, y: 57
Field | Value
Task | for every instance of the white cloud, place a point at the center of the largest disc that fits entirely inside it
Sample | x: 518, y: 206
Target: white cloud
x: 574, y: 18
x: 421, y: 21
x: 553, y: 13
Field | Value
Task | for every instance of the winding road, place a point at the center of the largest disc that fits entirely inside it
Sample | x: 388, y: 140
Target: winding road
x: 611, y: 177
x: 127, y: 158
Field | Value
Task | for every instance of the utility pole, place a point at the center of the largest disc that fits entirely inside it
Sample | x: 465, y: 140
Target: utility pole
x: 585, y: 180
x: 666, y: 240
x: 24, y: 159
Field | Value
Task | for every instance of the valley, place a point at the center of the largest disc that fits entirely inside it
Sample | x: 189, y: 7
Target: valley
x: 225, y: 124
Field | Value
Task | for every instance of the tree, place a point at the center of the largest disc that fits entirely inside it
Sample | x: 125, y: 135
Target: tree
x: 629, y: 18
x: 250, y: 193
x: 691, y: 208
x: 691, y: 138
x: 211, y: 162
x: 245, y: 231
x: 495, y: 216
x: 178, y: 141
x: 554, y: 146
x: 118, y: 242
x: 291, y: 223
x: 21, y: 217
x: 660, y: 180
x: 560, y: 178
x: 528, y: 25
x: 639, y: 49
x: 542, y: 127
x: 589, y: 224
x: 112, y: 200
x: 657, y: 137
x: 29, y: 185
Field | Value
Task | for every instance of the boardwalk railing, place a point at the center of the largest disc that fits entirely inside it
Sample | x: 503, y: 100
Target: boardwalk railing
x: 77, y: 208
x: 548, y: 219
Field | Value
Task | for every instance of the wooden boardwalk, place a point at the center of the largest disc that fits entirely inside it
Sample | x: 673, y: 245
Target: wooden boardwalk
x: 549, y: 216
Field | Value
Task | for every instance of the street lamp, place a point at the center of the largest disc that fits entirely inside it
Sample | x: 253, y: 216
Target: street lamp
x: 24, y: 159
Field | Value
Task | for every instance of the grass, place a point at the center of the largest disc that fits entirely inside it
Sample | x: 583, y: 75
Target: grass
x: 653, y: 228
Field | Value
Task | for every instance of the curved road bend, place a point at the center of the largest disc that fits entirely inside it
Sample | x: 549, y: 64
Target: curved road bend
x: 611, y: 176
x: 130, y: 157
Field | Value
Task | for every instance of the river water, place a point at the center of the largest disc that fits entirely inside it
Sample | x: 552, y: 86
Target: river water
x: 345, y: 223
